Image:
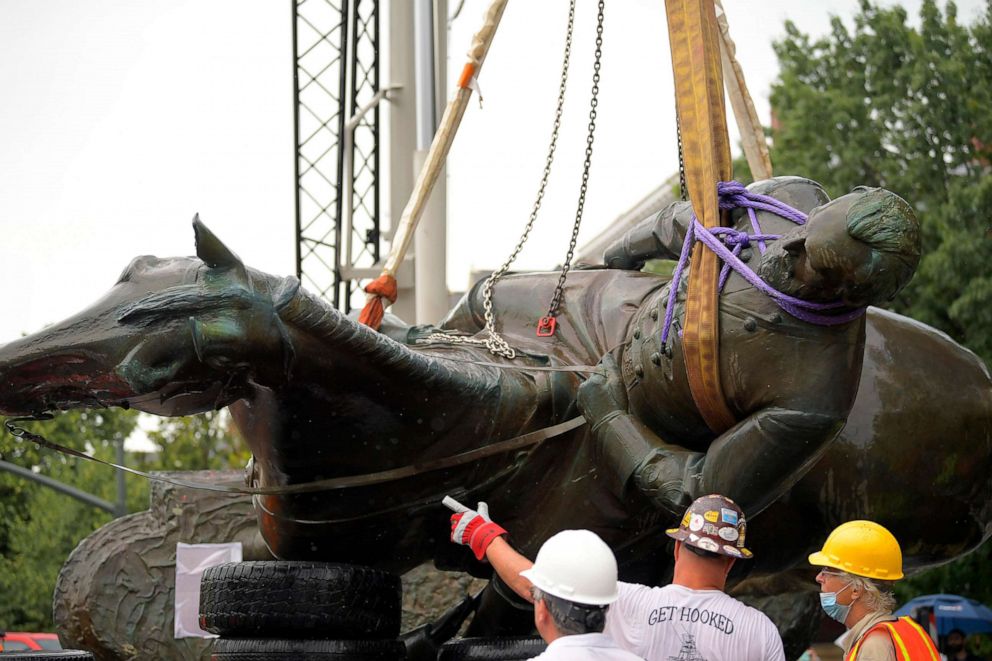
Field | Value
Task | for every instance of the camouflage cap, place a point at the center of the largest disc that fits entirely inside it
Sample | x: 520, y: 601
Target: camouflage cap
x: 713, y: 523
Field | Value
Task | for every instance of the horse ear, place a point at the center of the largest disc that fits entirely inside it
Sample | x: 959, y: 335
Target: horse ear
x: 212, y: 250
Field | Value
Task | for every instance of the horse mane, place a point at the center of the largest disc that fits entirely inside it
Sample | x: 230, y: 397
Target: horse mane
x: 184, y: 301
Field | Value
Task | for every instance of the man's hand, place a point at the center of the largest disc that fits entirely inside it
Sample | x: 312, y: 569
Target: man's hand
x: 603, y: 395
x: 475, y: 529
x: 504, y: 559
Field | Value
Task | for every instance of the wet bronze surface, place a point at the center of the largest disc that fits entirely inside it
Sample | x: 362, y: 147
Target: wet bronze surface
x: 883, y: 418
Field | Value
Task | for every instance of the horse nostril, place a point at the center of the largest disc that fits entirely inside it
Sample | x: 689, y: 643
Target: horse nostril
x: 146, y: 371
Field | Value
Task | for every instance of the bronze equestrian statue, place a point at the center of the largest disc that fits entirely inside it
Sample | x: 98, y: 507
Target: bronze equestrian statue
x: 877, y: 417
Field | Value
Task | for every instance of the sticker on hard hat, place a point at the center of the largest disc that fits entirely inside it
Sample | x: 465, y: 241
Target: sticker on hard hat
x: 732, y: 551
x: 729, y: 534
x: 729, y: 516
x: 685, y: 520
x: 693, y: 537
x: 711, y: 516
x: 695, y: 522
x: 708, y: 544
x: 710, y: 529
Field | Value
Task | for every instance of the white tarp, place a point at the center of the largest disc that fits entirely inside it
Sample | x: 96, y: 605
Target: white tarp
x: 191, y: 561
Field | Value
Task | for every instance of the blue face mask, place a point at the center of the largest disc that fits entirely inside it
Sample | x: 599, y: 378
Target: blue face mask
x: 828, y: 602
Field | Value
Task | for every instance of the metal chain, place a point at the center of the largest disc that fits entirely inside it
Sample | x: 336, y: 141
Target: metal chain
x: 450, y: 338
x: 593, y: 102
x: 495, y: 342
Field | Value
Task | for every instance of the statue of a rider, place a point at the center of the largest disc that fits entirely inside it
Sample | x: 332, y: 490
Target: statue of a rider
x: 789, y: 382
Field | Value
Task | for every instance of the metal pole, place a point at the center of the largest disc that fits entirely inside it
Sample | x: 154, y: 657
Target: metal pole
x: 376, y: 218
x: 339, y: 186
x: 430, y: 263
x: 65, y: 489
x: 423, y: 62
x: 402, y: 139
x: 296, y: 146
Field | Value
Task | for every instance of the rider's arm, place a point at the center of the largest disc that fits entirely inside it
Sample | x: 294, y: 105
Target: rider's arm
x: 625, y: 447
x: 657, y: 237
x: 762, y: 456
x: 753, y: 462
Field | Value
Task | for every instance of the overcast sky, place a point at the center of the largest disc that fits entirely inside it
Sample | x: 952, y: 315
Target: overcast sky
x: 120, y: 119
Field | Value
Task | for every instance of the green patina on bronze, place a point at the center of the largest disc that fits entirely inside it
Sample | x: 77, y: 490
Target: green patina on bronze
x: 867, y: 222
x: 883, y: 418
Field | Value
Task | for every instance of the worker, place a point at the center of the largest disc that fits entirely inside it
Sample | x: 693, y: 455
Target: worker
x: 572, y: 584
x: 574, y: 581
x: 859, y: 561
x: 692, y: 618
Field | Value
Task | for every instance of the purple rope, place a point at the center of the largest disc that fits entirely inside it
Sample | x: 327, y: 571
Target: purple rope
x: 727, y: 243
x: 756, y: 226
x: 738, y: 241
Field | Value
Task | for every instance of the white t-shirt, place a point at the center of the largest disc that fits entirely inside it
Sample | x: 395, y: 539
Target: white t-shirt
x: 585, y: 647
x: 675, y: 623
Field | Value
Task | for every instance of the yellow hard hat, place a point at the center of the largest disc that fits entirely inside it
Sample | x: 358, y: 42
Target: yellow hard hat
x: 862, y: 548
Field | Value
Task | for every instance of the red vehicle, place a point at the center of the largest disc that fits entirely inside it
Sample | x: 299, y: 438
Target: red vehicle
x: 19, y: 641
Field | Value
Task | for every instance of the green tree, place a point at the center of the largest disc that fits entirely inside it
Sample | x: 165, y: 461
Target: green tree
x: 40, y: 527
x: 910, y: 109
x: 198, y: 442
x: 43, y: 525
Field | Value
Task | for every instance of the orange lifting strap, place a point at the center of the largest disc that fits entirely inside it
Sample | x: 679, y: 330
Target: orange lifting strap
x: 695, y: 43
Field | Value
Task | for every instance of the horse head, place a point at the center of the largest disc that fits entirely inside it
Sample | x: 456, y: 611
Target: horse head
x: 173, y: 336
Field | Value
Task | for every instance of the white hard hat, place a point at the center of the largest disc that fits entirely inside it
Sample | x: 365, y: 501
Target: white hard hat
x: 578, y: 566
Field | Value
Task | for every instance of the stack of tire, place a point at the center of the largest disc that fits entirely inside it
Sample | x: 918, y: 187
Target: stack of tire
x: 301, y: 611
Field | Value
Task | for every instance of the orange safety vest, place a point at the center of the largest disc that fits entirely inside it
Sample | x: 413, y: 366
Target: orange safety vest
x: 908, y: 638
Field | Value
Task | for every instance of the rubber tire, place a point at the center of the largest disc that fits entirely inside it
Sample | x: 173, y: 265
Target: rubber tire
x: 48, y: 655
x: 264, y: 649
x: 300, y: 600
x: 490, y: 649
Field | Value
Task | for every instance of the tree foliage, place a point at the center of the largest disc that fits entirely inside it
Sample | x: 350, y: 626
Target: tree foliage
x: 39, y: 527
x: 910, y: 109
x: 906, y: 108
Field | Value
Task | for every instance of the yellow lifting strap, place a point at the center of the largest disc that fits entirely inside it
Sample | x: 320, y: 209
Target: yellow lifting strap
x: 695, y: 42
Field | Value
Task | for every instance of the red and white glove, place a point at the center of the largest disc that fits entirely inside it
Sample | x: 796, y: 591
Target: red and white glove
x: 475, y: 529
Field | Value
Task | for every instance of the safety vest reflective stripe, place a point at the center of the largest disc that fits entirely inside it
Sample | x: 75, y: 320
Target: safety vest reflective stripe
x: 911, y: 642
x: 853, y: 654
x: 924, y: 636
x: 901, y: 651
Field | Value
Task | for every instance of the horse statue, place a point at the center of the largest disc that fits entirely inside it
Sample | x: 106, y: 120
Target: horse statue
x: 356, y: 435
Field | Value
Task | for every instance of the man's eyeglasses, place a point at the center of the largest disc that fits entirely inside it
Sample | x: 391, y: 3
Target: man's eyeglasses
x: 826, y: 571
